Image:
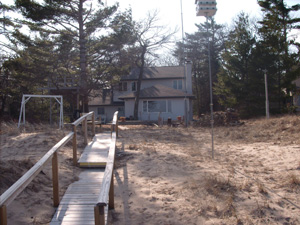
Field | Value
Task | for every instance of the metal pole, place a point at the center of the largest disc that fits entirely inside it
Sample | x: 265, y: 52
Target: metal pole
x: 185, y: 72
x: 267, y: 96
x: 211, y: 96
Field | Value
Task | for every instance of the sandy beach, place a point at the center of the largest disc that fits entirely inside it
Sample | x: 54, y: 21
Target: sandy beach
x: 166, y: 175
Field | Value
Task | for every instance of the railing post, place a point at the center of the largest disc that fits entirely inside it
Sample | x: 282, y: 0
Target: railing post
x: 111, y: 201
x: 3, y: 215
x: 55, y: 180
x: 111, y: 129
x: 74, y: 146
x: 85, y: 131
x: 117, y: 128
x: 99, y: 215
x: 93, y: 123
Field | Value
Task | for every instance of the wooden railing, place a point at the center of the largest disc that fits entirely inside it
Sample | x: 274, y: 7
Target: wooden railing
x: 106, y: 195
x: 82, y: 120
x: 10, y: 194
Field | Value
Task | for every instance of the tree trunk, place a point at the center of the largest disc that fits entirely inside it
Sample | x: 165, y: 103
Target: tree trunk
x: 82, y: 52
x: 137, y: 97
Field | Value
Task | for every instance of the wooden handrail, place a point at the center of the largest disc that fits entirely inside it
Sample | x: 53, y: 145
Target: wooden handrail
x: 115, y: 123
x: 104, y: 191
x: 10, y: 194
x: 115, y: 118
x: 106, y: 195
x: 78, y: 121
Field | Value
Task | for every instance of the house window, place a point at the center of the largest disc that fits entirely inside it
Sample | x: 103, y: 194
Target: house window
x: 123, y: 86
x: 155, y: 106
x: 177, y: 84
x: 133, y: 86
x: 101, y: 111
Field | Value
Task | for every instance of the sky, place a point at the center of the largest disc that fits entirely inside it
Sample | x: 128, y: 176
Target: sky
x: 170, y: 11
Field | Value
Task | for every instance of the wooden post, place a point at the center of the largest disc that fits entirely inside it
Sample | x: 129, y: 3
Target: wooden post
x: 55, y: 180
x: 74, y: 146
x: 111, y: 129
x: 117, y: 128
x: 85, y: 131
x: 93, y: 124
x: 111, y: 201
x: 99, y: 215
x: 3, y: 215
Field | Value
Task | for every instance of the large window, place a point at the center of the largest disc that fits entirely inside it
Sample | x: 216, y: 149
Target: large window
x: 177, y: 84
x: 157, y: 106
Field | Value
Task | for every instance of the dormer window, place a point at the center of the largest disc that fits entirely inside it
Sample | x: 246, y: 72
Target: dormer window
x: 177, y: 84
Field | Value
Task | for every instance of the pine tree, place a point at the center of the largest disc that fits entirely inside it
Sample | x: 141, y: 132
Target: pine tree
x: 195, y: 48
x: 238, y: 82
x: 95, y: 31
x: 275, y: 27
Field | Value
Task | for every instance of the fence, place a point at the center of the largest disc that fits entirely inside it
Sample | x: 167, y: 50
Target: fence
x: 10, y: 194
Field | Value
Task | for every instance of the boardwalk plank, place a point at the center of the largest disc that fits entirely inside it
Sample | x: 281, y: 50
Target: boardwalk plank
x: 77, y: 205
x: 95, y: 154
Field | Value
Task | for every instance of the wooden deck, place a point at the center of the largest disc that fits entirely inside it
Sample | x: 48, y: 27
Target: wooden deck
x: 77, y: 205
x: 96, y: 152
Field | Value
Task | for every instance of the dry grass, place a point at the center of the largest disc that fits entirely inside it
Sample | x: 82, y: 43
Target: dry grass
x: 261, y: 188
x: 166, y: 175
x: 293, y: 181
x: 282, y: 130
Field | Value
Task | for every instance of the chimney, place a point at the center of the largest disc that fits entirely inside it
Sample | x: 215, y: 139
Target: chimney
x: 188, y: 73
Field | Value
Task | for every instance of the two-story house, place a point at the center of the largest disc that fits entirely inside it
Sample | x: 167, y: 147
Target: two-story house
x: 165, y: 92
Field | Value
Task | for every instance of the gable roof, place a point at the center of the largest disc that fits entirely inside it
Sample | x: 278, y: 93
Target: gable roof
x: 158, y: 91
x: 164, y: 72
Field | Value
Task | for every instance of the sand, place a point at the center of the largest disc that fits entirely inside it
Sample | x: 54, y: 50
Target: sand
x: 166, y: 175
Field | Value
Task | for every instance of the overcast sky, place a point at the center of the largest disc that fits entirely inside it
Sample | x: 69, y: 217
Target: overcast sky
x: 170, y: 11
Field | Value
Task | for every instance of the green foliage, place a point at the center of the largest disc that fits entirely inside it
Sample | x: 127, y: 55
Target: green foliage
x: 79, y: 40
x: 195, y: 49
x: 274, y: 30
x: 239, y: 83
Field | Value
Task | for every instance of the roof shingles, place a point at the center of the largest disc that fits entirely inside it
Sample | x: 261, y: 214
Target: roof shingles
x: 165, y: 72
x: 158, y: 91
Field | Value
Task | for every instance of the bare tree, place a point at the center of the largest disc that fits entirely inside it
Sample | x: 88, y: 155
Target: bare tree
x: 150, y: 37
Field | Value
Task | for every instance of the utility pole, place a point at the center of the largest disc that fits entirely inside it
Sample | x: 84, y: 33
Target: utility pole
x: 267, y: 95
x: 185, y: 72
x: 208, y: 9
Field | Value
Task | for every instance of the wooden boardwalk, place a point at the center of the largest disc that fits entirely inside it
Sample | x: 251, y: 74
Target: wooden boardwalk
x: 77, y: 204
x: 96, y: 152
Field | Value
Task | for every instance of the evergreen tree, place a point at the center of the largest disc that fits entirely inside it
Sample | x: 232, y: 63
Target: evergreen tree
x: 238, y: 80
x: 195, y: 48
x: 275, y: 27
x: 93, y: 30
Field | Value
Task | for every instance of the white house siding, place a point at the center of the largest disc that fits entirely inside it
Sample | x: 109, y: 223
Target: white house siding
x: 108, y: 111
x: 129, y: 108
x: 145, y: 84
x: 177, y: 109
x: 296, y: 101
